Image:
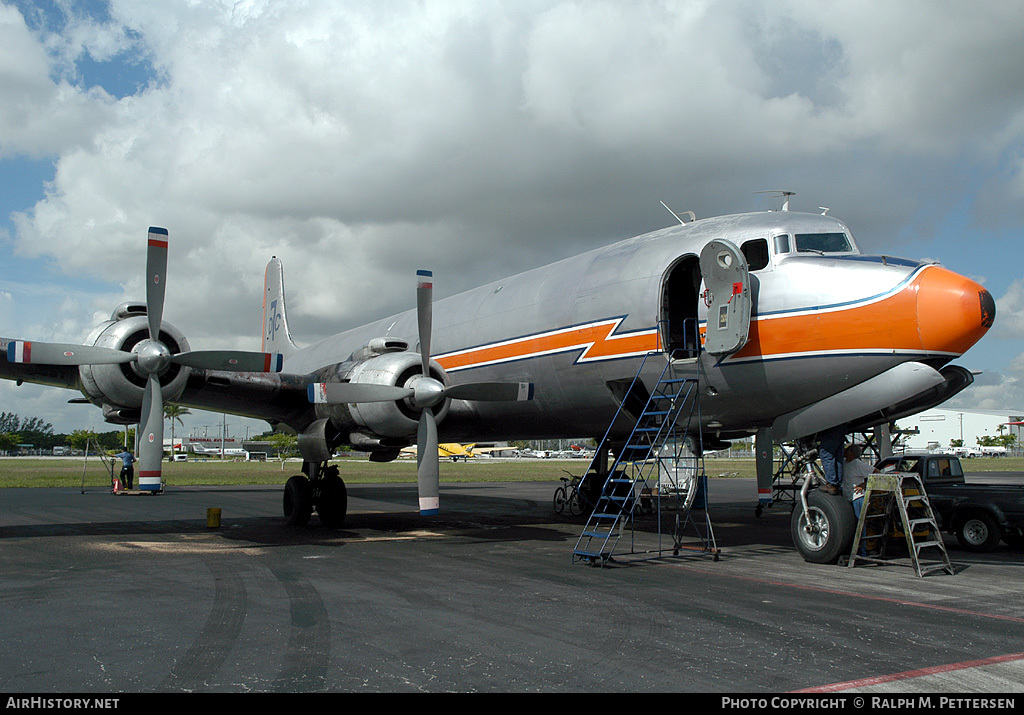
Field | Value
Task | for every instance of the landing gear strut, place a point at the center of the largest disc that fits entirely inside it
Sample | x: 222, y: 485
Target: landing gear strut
x: 323, y: 491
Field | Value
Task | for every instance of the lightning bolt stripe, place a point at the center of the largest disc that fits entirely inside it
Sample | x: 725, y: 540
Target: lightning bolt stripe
x: 904, y: 320
x: 596, y: 341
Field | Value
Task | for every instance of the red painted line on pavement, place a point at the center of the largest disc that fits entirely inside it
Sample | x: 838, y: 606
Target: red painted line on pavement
x: 837, y: 592
x: 907, y: 675
x: 876, y: 680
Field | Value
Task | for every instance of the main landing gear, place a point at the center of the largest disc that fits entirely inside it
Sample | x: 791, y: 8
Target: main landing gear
x: 322, y: 491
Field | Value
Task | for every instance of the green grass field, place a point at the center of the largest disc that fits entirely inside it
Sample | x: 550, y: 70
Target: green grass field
x: 30, y: 472
x: 57, y: 472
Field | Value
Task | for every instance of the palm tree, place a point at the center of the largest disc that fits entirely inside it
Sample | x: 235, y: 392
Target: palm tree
x: 175, y: 413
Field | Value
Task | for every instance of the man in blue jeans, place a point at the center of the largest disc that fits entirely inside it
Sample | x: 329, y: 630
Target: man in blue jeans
x: 830, y: 451
x: 127, y: 468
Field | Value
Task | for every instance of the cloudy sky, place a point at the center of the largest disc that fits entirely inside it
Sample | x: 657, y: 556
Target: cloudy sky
x: 360, y: 141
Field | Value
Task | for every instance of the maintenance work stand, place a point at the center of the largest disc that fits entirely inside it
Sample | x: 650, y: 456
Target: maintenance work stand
x: 896, y: 508
x: 654, y: 473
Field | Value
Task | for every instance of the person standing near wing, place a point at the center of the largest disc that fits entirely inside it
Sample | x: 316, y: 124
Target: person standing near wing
x: 127, y: 468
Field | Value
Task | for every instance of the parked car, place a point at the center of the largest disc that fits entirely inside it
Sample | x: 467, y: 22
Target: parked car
x: 978, y: 514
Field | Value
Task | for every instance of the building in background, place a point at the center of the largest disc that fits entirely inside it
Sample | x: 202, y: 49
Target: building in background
x: 942, y: 428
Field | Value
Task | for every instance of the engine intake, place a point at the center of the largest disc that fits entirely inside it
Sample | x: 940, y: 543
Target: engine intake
x: 394, y: 420
x: 119, y: 388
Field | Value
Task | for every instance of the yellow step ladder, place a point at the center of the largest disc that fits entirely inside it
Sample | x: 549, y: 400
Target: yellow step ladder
x: 901, y: 496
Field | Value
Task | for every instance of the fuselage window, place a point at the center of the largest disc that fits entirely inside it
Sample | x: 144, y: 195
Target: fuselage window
x: 782, y: 243
x: 756, y: 253
x: 823, y: 242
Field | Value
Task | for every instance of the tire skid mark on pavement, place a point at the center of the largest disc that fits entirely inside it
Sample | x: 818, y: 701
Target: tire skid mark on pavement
x: 194, y: 671
x: 305, y: 662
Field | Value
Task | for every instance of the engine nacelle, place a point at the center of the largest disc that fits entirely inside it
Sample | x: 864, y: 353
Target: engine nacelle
x: 396, y: 420
x: 119, y: 388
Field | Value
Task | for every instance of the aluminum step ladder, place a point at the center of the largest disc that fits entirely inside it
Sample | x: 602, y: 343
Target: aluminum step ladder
x: 896, y: 505
x: 655, y: 439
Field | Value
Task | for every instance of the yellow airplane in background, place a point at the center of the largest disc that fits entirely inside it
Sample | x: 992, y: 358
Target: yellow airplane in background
x: 452, y: 450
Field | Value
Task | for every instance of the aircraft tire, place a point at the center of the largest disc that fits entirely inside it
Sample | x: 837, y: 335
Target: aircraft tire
x: 332, y: 504
x: 833, y: 529
x: 298, y: 501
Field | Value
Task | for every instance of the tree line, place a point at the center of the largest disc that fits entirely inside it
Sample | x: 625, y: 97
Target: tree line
x: 34, y: 431
x: 39, y: 435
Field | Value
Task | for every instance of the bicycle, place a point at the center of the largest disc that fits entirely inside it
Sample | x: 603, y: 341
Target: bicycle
x: 569, y: 493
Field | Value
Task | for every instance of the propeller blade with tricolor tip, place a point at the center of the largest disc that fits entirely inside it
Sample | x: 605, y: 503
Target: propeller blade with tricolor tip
x: 428, y: 466
x: 156, y: 274
x: 424, y: 314
x: 151, y: 436
x: 234, y: 360
x: 24, y: 351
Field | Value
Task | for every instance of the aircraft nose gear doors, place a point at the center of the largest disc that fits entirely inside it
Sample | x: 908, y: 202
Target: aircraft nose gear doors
x: 727, y: 296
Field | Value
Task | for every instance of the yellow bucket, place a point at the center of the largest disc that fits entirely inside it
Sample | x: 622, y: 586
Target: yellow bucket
x: 213, y: 518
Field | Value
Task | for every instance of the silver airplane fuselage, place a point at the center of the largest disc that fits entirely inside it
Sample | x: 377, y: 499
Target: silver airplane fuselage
x: 787, y: 327
x: 824, y: 318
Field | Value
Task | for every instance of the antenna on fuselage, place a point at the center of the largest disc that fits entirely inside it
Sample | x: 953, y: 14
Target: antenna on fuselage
x: 780, y: 192
x: 693, y: 216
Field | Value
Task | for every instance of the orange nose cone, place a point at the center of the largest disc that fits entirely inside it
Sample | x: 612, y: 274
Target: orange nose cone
x: 953, y: 312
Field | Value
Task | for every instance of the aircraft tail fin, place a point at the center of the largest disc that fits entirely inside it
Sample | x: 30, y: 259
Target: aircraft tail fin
x: 276, y: 335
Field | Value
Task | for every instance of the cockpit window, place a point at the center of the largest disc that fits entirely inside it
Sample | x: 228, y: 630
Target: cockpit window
x: 823, y: 242
x: 756, y: 253
x: 782, y: 243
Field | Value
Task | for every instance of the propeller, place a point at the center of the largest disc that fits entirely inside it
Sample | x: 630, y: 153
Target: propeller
x: 424, y: 393
x: 151, y: 358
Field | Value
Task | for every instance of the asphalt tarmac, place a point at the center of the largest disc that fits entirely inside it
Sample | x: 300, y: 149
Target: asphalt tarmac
x: 137, y: 594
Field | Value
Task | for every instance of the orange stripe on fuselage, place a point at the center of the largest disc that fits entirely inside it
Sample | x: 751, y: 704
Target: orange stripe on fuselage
x: 938, y: 312
x: 595, y: 339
